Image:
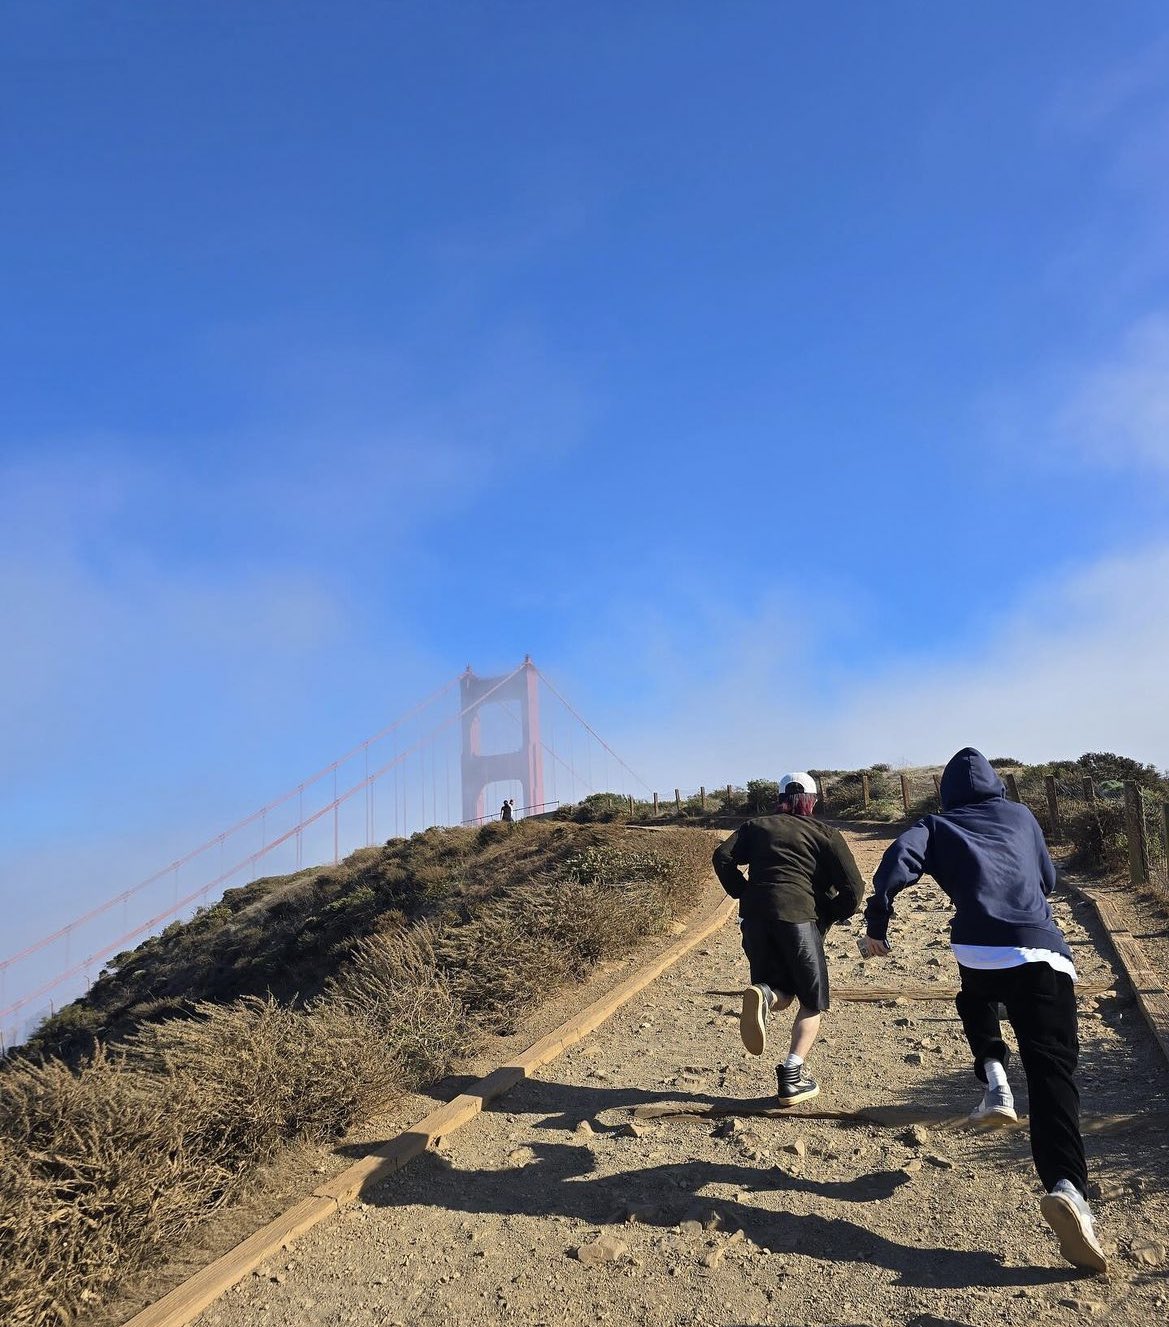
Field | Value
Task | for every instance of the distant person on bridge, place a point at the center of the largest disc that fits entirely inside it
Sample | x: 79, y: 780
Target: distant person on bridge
x: 801, y: 877
x: 507, y: 811
x: 989, y: 857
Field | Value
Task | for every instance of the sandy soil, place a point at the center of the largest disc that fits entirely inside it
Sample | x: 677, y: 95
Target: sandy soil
x: 577, y: 1200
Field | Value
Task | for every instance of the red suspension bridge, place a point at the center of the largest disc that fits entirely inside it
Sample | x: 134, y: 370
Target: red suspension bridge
x: 451, y: 759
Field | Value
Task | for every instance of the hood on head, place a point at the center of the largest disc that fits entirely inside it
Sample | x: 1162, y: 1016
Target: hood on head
x: 968, y: 777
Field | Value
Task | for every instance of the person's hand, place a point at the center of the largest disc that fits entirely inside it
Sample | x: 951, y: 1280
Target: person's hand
x: 872, y: 948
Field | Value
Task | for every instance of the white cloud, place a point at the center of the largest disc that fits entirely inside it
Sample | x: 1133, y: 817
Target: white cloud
x: 1119, y: 414
x: 1075, y: 664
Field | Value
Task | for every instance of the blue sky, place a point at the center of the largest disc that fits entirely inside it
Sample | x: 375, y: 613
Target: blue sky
x: 791, y: 381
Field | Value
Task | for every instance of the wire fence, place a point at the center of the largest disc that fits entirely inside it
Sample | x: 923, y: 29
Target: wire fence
x: 1109, y: 819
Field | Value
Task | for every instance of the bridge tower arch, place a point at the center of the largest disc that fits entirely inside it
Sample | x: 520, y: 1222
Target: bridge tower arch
x: 525, y: 764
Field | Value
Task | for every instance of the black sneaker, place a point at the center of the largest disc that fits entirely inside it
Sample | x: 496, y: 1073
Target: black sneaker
x: 795, y: 1085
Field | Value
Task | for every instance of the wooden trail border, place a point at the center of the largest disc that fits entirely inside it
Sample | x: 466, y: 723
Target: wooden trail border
x: 1146, y: 984
x: 186, y: 1301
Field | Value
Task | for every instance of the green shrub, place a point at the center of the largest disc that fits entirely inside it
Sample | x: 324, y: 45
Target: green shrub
x: 599, y: 808
x: 762, y: 796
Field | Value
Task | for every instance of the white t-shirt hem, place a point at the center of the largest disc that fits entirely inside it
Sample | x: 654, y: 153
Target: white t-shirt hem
x: 995, y: 957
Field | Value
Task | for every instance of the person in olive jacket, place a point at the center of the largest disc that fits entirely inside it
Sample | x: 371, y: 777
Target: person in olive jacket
x: 801, y: 877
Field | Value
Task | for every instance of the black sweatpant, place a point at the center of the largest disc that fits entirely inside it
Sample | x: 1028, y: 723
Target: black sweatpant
x: 1041, y: 1006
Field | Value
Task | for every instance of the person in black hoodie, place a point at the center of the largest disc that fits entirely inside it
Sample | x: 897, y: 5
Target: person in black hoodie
x: 989, y: 857
x: 801, y: 877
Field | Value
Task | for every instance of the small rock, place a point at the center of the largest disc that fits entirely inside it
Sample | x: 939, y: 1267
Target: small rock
x: 584, y: 1127
x: 690, y: 1227
x: 711, y: 1259
x: 633, y: 1130
x: 1091, y: 1307
x: 521, y: 1156
x: 729, y: 1128
x: 915, y: 1057
x: 900, y: 1003
x: 608, y: 1248
x: 645, y: 1213
x: 1149, y: 1252
x: 798, y: 1147
x: 902, y: 1022
x: 942, y: 1163
x: 911, y: 1167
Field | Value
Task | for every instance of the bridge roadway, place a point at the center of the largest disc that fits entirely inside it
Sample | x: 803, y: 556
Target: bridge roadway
x: 640, y: 1178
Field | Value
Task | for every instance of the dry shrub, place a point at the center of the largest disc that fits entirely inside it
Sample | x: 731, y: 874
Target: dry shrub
x: 395, y: 983
x: 255, y: 1074
x: 505, y: 960
x: 98, y: 1179
x: 608, y: 921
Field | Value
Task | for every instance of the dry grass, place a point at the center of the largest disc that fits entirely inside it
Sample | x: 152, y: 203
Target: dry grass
x: 107, y: 1164
x: 395, y: 982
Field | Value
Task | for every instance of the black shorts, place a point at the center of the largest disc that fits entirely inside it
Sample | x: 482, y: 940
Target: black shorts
x: 788, y: 957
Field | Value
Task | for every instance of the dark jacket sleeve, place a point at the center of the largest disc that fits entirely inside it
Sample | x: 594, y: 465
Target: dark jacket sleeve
x: 904, y: 863
x: 846, y: 888
x: 728, y: 856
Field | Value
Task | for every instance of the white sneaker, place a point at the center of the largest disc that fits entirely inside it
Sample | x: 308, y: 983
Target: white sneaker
x: 1067, y: 1212
x: 996, y: 1109
x: 753, y: 1020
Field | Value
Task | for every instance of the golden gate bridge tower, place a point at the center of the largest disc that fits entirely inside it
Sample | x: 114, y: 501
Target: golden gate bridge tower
x: 523, y: 764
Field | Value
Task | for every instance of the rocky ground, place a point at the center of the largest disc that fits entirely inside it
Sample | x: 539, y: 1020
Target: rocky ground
x: 644, y: 1177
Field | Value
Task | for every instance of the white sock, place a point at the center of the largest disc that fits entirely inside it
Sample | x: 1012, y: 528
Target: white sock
x: 793, y: 1061
x: 996, y: 1075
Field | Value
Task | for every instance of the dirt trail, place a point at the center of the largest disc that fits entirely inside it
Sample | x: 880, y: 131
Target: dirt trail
x: 558, y: 1206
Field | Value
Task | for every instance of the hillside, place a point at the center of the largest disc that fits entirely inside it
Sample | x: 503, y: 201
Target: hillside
x: 289, y: 936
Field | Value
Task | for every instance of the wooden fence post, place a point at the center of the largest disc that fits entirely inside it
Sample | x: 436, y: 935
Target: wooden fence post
x: 655, y: 804
x: 938, y: 788
x: 866, y: 791
x: 823, y: 782
x: 1052, y: 805
x: 1089, y: 789
x: 678, y: 800
x: 702, y: 798
x: 1012, y: 786
x: 630, y: 803
x: 730, y: 798
x: 1134, y: 825
x: 905, y: 793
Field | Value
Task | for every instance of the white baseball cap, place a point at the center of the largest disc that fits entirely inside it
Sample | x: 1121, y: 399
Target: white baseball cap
x: 803, y: 780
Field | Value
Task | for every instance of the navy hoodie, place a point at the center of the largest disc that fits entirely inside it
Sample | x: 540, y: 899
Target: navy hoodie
x: 988, y: 855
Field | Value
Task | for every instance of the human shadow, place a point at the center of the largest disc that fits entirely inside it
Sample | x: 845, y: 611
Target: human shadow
x: 562, y: 1180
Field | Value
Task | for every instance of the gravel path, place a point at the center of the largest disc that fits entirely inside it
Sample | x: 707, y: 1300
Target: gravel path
x: 576, y: 1200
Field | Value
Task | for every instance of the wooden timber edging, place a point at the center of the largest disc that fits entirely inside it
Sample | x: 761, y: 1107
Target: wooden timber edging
x: 1151, y: 996
x: 186, y: 1301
